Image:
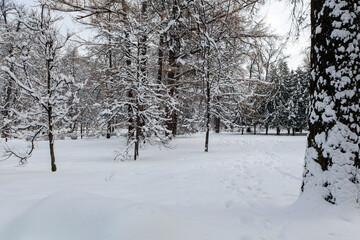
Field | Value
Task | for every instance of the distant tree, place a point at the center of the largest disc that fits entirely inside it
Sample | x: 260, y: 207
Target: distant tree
x: 275, y: 109
x: 332, y: 162
x: 79, y: 69
x: 220, y: 33
x: 299, y: 100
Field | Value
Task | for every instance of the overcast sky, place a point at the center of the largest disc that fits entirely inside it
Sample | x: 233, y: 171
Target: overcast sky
x: 277, y: 15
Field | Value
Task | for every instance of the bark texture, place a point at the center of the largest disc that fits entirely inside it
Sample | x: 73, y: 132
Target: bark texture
x: 332, y: 156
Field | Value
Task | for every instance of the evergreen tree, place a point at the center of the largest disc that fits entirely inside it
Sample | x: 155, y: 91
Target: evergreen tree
x: 300, y: 100
x: 275, y: 108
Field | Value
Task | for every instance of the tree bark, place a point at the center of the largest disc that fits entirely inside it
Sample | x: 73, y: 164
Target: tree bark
x: 332, y: 156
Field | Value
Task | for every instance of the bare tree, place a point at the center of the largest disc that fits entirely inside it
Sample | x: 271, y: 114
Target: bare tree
x: 44, y: 86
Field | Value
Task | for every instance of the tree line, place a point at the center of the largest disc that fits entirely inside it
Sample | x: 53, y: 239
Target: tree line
x: 153, y: 70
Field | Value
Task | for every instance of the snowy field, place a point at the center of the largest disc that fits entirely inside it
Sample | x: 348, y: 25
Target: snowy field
x: 245, y: 188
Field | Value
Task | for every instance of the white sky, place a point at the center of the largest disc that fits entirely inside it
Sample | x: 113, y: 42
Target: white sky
x: 277, y: 15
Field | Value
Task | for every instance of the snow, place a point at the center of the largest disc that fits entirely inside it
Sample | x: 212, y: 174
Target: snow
x: 247, y: 187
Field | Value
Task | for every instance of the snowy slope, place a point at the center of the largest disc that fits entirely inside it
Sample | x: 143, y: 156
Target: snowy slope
x: 245, y: 188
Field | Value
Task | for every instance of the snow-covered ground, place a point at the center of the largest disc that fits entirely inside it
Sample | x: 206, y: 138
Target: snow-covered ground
x: 246, y: 187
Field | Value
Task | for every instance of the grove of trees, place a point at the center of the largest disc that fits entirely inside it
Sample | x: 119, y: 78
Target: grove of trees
x: 153, y: 70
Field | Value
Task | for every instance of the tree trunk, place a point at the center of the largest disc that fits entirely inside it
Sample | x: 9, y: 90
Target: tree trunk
x: 288, y: 131
x: 277, y: 131
x: 266, y: 130
x: 51, y: 146
x: 5, y: 132
x: 171, y: 83
x: 51, y: 137
x: 137, y: 137
x: 130, y: 95
x: 81, y: 130
x: 332, y: 156
x: 217, y: 124
x: 207, y: 116
x: 293, y: 131
x: 141, y: 77
x: 108, y: 130
x: 50, y: 114
x: 172, y: 78
x: 160, y: 58
x: 254, y: 129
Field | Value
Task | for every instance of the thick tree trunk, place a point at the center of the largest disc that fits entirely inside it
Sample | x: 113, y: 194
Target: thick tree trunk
x: 332, y: 157
x: 277, y: 131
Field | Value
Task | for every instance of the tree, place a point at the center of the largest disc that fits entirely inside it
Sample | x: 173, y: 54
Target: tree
x: 44, y: 91
x: 275, y: 108
x: 299, y: 100
x: 9, y: 33
x: 332, y: 163
x: 220, y: 33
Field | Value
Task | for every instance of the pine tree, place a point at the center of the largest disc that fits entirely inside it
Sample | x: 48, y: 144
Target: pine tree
x: 300, y: 100
x: 276, y: 106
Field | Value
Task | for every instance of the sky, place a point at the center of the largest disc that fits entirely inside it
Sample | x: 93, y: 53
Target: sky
x: 277, y: 16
